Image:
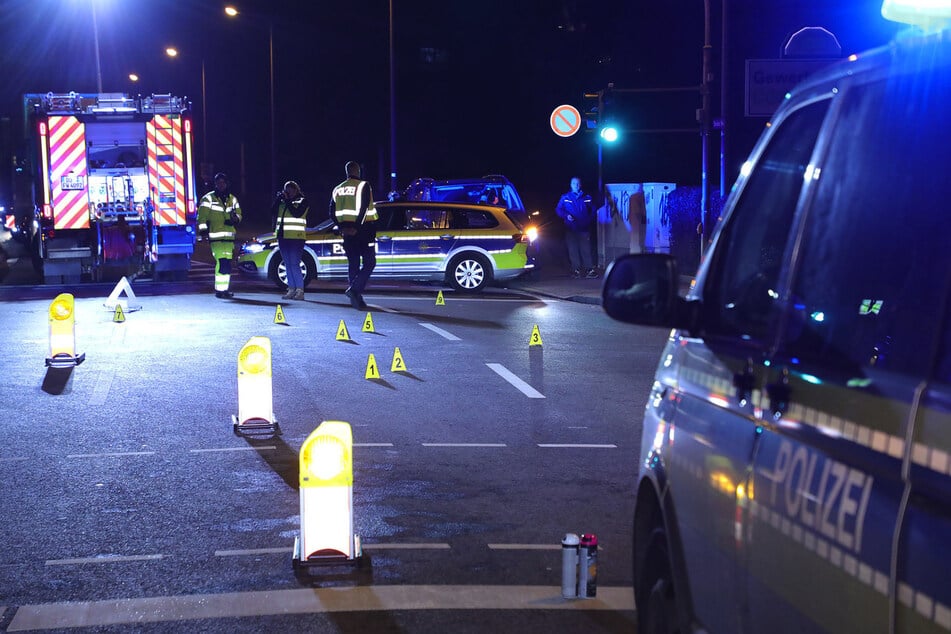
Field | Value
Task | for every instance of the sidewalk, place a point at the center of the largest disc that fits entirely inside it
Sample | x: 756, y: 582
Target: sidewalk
x: 561, y: 286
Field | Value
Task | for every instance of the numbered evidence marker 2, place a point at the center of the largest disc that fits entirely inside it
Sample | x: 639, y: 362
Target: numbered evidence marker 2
x: 398, y: 365
x: 62, y: 317
x: 536, y: 338
x: 368, y: 324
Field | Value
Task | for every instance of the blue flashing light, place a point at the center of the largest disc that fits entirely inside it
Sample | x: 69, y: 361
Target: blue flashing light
x: 808, y: 378
x: 930, y: 15
x: 609, y: 134
x: 818, y: 316
x: 795, y: 360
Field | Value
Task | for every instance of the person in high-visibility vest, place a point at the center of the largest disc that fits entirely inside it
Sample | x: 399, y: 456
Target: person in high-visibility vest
x: 289, y: 214
x: 218, y: 214
x: 351, y: 206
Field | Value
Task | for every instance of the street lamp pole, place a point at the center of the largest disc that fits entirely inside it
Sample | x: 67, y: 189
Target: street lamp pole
x: 392, y: 108
x: 95, y: 33
x: 273, y: 134
x: 705, y: 130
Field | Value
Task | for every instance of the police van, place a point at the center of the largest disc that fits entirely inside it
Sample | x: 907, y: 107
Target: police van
x: 795, y: 465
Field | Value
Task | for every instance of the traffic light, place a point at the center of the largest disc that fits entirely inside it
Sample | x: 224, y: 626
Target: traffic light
x: 591, y: 109
x: 609, y: 133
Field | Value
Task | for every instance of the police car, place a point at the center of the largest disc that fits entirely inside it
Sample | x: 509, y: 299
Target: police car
x: 465, y: 245
x: 795, y: 467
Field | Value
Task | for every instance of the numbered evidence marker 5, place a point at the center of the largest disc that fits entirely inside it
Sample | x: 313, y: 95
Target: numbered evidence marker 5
x: 368, y: 324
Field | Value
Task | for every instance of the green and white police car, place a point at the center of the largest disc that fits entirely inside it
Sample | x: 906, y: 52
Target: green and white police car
x: 465, y: 245
x: 795, y: 463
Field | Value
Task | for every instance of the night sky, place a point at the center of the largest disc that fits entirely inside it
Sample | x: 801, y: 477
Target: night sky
x: 475, y: 81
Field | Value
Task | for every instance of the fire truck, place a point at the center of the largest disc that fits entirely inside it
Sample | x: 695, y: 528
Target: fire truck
x: 112, y: 182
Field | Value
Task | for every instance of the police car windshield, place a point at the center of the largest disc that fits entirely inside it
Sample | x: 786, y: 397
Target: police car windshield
x: 501, y: 194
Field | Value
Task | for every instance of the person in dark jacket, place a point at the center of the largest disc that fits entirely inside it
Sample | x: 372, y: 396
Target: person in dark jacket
x: 575, y: 209
x: 289, y: 217
x: 352, y: 208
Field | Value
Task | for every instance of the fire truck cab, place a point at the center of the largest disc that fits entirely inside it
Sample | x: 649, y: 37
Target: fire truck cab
x: 113, y: 183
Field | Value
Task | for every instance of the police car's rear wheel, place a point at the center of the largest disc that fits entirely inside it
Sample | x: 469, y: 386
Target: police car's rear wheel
x: 654, y: 590
x: 469, y: 272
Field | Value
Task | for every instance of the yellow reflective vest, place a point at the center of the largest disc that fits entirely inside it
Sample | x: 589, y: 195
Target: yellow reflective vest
x: 218, y: 216
x: 353, y: 203
x: 288, y: 225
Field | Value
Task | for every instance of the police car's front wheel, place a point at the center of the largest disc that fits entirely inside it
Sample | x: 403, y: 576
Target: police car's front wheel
x: 469, y: 272
x: 654, y: 590
x: 277, y: 271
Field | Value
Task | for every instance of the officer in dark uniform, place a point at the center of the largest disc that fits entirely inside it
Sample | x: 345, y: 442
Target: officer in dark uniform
x: 351, y: 206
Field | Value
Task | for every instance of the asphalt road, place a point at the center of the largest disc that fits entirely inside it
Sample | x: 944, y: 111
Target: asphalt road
x: 130, y: 505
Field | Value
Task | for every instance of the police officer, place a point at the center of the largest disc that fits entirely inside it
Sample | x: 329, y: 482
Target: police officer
x: 218, y: 214
x: 289, y: 218
x: 351, y: 206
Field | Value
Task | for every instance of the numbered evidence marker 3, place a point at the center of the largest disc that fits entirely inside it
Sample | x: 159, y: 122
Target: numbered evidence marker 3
x: 536, y: 338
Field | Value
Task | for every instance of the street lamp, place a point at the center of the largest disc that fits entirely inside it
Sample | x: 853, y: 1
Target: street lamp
x: 172, y: 52
x: 392, y: 108
x: 232, y: 12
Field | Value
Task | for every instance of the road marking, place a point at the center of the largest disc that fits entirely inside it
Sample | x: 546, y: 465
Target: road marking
x: 261, y: 448
x: 576, y: 446
x: 577, y: 427
x: 104, y: 383
x: 518, y: 383
x: 47, y: 616
x: 252, y: 551
x: 104, y: 559
x: 442, y: 333
x: 464, y: 444
x: 407, y: 546
x: 111, y: 455
x: 14, y: 459
x: 524, y: 546
x: 372, y: 444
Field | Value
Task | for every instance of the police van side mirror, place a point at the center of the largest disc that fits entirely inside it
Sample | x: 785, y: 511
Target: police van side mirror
x: 642, y: 289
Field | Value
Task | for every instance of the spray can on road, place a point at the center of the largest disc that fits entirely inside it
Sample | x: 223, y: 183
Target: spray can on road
x: 588, y: 563
x: 569, y: 566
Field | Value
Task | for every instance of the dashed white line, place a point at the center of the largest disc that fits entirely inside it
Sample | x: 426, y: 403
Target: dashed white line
x: 105, y: 559
x: 575, y: 446
x: 439, y: 331
x: 524, y: 546
x: 372, y: 444
x: 252, y: 551
x: 516, y: 382
x: 111, y: 455
x: 464, y: 444
x: 407, y: 546
x: 262, y: 448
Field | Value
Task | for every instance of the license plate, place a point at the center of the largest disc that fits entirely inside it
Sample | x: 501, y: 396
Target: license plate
x: 73, y: 182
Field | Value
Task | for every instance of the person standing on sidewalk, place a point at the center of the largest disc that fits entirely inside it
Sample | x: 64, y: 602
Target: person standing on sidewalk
x: 575, y: 209
x: 289, y: 218
x: 218, y: 214
x: 351, y: 206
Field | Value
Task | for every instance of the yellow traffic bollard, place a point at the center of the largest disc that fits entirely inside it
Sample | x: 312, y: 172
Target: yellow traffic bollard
x: 326, y: 498
x: 62, y: 317
x: 255, y: 398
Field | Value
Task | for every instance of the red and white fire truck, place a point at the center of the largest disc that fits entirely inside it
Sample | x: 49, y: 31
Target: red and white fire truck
x: 113, y: 182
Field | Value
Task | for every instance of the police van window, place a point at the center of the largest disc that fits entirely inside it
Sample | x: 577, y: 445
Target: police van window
x: 874, y: 261
x: 741, y: 295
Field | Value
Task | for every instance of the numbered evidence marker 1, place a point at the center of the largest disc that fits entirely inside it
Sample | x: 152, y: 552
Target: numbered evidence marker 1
x: 440, y: 300
x: 536, y: 338
x: 373, y: 371
x: 279, y: 315
x: 398, y: 365
x: 342, y: 334
x: 62, y: 319
x: 118, y: 316
x: 368, y: 324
